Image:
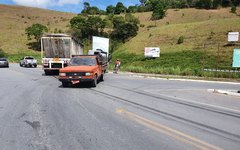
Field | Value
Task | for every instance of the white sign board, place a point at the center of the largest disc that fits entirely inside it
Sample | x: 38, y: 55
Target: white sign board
x: 100, y: 43
x: 152, y: 52
x: 233, y: 36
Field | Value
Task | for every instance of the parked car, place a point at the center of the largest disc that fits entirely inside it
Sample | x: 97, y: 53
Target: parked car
x: 28, y: 61
x: 4, y: 62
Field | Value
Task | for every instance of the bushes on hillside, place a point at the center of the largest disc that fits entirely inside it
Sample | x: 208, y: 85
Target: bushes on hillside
x: 2, y: 53
x: 180, y: 40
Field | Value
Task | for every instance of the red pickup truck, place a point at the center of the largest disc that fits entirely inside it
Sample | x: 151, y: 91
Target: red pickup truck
x: 83, y: 68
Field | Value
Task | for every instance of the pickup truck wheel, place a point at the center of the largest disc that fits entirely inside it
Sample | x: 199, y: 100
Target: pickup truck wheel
x: 47, y: 72
x: 101, y: 78
x: 65, y: 84
x: 35, y: 66
x: 20, y: 65
x: 94, y: 82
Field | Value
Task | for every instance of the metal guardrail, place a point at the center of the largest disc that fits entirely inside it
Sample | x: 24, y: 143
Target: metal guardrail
x: 221, y: 70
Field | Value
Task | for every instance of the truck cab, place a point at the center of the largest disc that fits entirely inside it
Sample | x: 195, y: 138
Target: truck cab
x: 83, y: 68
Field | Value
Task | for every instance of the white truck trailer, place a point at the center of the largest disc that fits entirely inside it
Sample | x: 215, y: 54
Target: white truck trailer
x: 57, y: 50
x: 101, y: 45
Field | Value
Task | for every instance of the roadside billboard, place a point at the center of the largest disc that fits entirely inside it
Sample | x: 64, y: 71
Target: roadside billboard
x: 233, y: 36
x: 152, y: 52
x: 236, y: 58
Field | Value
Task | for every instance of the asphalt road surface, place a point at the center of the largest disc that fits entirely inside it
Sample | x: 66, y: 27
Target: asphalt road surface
x: 125, y: 112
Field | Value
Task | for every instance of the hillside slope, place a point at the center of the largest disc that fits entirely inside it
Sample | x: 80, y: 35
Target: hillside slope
x: 204, y: 32
x: 205, y: 42
x: 14, y: 20
x: 196, y: 25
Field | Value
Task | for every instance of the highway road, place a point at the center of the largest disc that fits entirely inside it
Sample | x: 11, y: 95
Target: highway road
x: 125, y: 112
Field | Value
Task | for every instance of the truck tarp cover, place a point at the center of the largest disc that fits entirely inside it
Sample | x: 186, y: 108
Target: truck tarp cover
x: 56, y: 47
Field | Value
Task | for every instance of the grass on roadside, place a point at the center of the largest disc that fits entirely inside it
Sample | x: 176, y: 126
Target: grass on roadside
x: 185, y: 63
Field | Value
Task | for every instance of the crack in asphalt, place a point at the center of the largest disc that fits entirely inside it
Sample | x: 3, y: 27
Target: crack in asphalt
x: 35, y: 124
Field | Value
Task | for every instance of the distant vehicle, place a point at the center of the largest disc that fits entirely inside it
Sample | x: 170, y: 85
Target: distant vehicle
x: 57, y: 50
x: 83, y: 68
x: 28, y: 61
x: 4, y: 62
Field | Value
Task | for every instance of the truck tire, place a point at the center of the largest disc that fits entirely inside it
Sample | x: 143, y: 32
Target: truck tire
x: 94, y: 82
x: 101, y: 78
x: 35, y: 66
x: 65, y: 84
x: 47, y: 72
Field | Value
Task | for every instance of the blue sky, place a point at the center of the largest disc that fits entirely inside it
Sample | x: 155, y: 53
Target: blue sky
x: 74, y: 6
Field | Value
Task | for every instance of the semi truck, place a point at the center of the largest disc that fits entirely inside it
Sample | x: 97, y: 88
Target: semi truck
x: 57, y: 50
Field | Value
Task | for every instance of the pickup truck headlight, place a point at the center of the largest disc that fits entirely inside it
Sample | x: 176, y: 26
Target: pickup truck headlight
x: 87, y: 73
x: 62, y: 74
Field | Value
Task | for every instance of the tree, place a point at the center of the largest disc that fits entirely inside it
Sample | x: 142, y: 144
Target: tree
x: 130, y: 18
x: 226, y: 3
x: 216, y: 4
x: 110, y: 9
x: 124, y: 28
x: 93, y: 10
x: 206, y: 4
x: 236, y: 2
x: 118, y: 21
x: 159, y: 10
x: 142, y: 2
x: 86, y: 5
x: 233, y: 9
x: 125, y: 31
x: 36, y: 30
x: 120, y: 8
x: 86, y: 27
x: 132, y: 9
x: 77, y: 22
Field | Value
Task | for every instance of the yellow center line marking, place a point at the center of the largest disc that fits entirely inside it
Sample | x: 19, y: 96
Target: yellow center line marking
x: 169, y: 131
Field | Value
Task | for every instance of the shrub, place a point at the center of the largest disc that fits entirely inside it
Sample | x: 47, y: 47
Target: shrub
x: 2, y: 53
x: 233, y: 9
x: 187, y: 72
x: 180, y: 40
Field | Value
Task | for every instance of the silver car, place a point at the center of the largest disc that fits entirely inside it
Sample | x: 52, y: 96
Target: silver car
x: 4, y: 62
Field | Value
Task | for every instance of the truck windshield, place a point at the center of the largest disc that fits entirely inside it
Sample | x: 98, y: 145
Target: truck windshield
x: 82, y: 62
x: 56, y: 47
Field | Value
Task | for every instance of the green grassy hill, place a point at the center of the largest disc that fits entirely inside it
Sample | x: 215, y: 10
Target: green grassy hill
x: 205, y: 42
x: 14, y: 20
x: 196, y: 25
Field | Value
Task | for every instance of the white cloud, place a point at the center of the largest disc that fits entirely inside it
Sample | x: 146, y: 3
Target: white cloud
x: 34, y: 3
x: 45, y: 3
x: 73, y: 2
